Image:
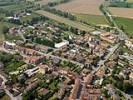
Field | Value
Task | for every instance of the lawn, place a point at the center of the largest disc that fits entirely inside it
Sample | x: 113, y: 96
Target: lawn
x: 66, y: 21
x: 92, y: 19
x: 127, y: 24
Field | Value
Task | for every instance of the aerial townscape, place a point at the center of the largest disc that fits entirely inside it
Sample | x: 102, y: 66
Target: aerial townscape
x: 66, y: 49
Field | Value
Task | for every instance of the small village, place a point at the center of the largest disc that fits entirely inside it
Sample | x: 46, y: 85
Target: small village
x: 43, y: 58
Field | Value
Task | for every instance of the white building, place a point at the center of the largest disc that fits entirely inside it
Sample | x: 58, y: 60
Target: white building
x: 9, y: 45
x: 61, y: 44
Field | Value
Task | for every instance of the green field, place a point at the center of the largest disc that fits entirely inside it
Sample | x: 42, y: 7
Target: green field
x: 16, y: 6
x: 92, y: 19
x: 65, y: 21
x: 127, y: 24
x: 13, y: 7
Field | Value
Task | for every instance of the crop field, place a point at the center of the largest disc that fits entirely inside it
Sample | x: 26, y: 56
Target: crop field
x: 65, y: 21
x: 82, y: 7
x: 130, y: 1
x: 127, y: 24
x: 92, y: 19
x: 122, y: 12
x: 16, y: 7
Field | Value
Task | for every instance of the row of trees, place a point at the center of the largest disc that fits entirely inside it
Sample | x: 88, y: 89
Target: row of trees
x: 124, y: 4
x: 60, y: 13
x: 52, y: 4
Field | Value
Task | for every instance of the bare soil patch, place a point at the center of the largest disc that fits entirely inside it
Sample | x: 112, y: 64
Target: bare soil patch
x: 122, y: 12
x: 82, y: 6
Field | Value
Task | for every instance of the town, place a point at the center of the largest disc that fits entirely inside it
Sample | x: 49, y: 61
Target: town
x: 42, y: 58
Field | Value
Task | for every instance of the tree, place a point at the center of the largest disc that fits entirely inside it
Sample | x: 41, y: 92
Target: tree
x: 5, y: 29
x: 122, y: 28
x: 14, y: 78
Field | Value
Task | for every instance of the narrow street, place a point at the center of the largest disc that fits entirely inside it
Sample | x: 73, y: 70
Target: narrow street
x: 7, y: 91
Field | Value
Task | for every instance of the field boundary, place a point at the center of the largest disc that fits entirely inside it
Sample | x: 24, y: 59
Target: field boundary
x: 60, y: 19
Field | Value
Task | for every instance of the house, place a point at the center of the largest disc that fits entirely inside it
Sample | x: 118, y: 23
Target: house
x: 13, y: 30
x: 26, y: 51
x: 75, y: 90
x: 42, y: 48
x: 31, y: 86
x: 2, y: 92
x: 109, y: 37
x: 43, y: 91
x: 131, y: 76
x: 9, y: 45
x: 1, y: 80
x: 91, y: 93
x: 31, y: 72
x: 1, y: 65
x: 129, y: 44
x: 35, y: 60
x: 43, y: 69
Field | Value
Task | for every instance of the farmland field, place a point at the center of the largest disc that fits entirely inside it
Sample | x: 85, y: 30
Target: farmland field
x: 127, y: 24
x: 122, y: 12
x: 16, y: 7
x: 130, y: 1
x: 92, y: 19
x: 65, y: 21
x: 82, y: 6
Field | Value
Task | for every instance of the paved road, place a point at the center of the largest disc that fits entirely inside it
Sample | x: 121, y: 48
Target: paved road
x: 128, y: 97
x: 122, y: 35
x: 101, y: 62
x: 48, y: 55
x: 7, y: 91
x: 74, y: 62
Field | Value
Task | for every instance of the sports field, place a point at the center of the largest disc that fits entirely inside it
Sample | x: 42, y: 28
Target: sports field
x: 65, y: 21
